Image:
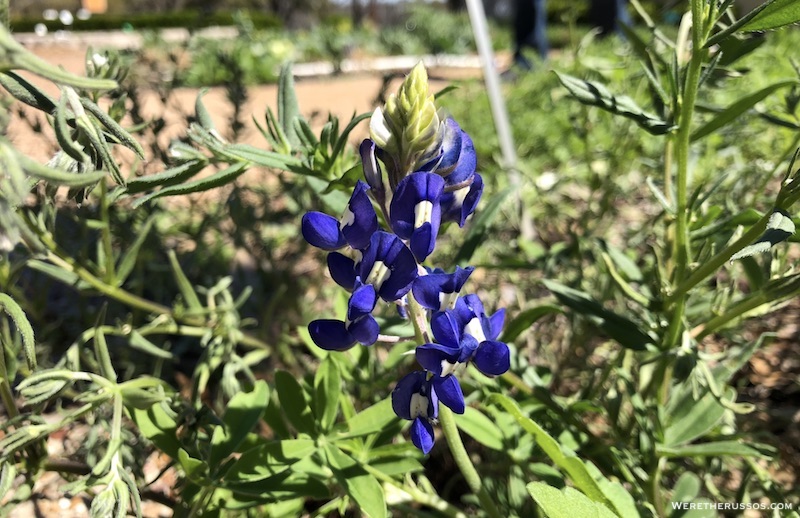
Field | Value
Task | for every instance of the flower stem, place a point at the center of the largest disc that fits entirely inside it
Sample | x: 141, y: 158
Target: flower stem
x: 460, y: 455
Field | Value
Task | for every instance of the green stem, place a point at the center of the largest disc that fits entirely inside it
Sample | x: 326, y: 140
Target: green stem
x: 5, y: 388
x: 109, y: 274
x: 461, y: 457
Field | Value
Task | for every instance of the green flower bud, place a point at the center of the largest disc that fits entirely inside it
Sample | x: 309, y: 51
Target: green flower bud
x: 408, y: 128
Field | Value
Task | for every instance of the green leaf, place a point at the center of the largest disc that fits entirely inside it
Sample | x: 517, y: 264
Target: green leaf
x: 525, y: 319
x: 362, y: 487
x: 167, y: 177
x: 480, y: 226
x: 158, y: 426
x: 288, y: 108
x: 26, y: 92
x: 10, y: 307
x: 475, y: 424
x: 621, y: 329
x: 294, y: 403
x: 780, y: 227
x: 563, y: 457
x: 688, y: 419
x: 113, y: 127
x: 595, y: 94
x: 710, y: 449
x: 186, y: 288
x: 327, y: 389
x: 218, y: 179
x: 128, y: 259
x: 261, y: 157
x: 140, y: 343
x: 567, y: 503
x: 686, y: 488
x: 267, y: 460
x: 242, y: 414
x: 202, y: 115
x: 372, y: 419
x: 776, y: 13
x: 195, y: 469
x: 57, y: 176
x: 736, y: 109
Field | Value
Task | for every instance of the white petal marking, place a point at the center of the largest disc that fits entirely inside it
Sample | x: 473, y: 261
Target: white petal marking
x: 423, y: 211
x: 475, y: 329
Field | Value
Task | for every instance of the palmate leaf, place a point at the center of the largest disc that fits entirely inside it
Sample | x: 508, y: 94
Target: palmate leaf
x: 595, y: 94
x: 362, y: 487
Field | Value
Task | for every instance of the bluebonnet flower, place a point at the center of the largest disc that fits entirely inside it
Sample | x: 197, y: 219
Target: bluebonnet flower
x: 416, y: 398
x: 429, y: 164
x: 387, y: 270
x: 415, y: 212
x: 355, y: 227
x: 465, y: 334
x: 438, y: 290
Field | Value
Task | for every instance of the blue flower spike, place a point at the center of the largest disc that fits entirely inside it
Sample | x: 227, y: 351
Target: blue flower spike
x: 415, y: 211
x: 420, y: 171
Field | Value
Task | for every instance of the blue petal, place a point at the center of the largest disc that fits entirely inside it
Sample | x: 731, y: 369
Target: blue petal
x: 451, y: 147
x: 408, y: 385
x: 492, y: 358
x: 322, y: 231
x: 459, y: 205
x: 343, y: 270
x: 423, y: 240
x: 433, y: 357
x: 449, y: 392
x: 496, y: 322
x: 372, y: 171
x: 390, y: 250
x: 467, y: 162
x: 446, y: 328
x: 365, y: 330
x: 331, y: 335
x: 422, y: 435
x: 469, y: 344
x: 359, y: 221
x: 413, y: 189
x: 429, y: 290
x: 362, y: 301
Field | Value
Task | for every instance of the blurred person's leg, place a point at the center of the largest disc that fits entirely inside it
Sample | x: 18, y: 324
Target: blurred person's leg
x: 530, y: 30
x: 607, y: 14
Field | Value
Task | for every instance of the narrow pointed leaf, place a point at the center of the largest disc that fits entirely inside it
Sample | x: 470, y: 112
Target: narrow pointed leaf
x: 776, y: 13
x: 736, y: 109
x: 13, y: 310
x: 218, y: 179
x: 596, y: 94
